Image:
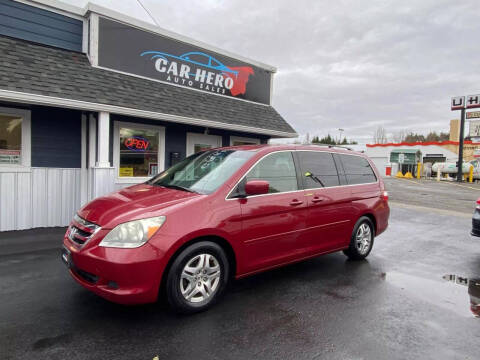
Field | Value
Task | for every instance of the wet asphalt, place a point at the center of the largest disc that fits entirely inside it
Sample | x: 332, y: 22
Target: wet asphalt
x: 395, y: 305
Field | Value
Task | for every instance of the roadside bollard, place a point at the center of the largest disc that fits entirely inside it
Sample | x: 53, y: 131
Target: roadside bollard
x: 419, y: 170
x: 470, y: 174
x: 439, y: 173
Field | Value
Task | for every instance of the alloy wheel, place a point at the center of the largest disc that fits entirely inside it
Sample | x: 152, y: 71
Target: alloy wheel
x: 363, y: 239
x: 200, y: 278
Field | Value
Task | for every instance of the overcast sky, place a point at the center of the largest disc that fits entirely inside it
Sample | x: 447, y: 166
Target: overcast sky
x: 342, y: 64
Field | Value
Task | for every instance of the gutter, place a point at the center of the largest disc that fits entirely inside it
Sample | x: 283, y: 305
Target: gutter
x: 30, y: 98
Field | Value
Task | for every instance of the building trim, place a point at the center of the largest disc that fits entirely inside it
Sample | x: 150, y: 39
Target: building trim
x: 30, y: 98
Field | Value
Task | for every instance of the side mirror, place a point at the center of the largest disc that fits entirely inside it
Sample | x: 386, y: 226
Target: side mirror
x: 256, y: 187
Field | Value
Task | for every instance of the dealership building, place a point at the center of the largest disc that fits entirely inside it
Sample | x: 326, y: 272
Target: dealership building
x: 92, y: 101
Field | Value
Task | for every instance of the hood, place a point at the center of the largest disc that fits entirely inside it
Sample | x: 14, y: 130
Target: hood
x: 134, y: 202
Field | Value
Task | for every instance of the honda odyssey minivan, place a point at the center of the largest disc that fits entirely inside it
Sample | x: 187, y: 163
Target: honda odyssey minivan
x: 223, y: 214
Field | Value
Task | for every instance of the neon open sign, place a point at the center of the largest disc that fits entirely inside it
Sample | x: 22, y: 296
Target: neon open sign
x: 136, y: 143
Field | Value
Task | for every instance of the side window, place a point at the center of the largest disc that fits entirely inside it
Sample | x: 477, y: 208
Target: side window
x: 278, y: 169
x: 357, y: 169
x: 341, y: 173
x: 318, y: 169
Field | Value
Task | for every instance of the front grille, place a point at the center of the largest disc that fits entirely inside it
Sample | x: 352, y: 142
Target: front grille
x: 81, y: 230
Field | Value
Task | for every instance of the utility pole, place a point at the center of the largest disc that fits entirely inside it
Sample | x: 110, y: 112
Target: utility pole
x: 458, y: 103
x: 460, y: 147
x: 341, y: 131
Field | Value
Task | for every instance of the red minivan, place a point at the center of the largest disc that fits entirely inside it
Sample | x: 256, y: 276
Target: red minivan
x: 222, y: 214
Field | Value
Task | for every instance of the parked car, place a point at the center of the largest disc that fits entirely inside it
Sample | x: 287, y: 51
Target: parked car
x: 222, y: 214
x: 476, y: 220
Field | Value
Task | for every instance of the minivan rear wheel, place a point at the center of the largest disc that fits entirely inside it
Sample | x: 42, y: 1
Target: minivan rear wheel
x: 361, y: 242
x: 197, y: 278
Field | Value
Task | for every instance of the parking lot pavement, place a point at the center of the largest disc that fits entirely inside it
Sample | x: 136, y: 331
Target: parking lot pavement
x: 395, y: 305
x: 443, y: 195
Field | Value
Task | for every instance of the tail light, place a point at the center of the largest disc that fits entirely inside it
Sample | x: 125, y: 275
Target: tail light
x: 384, y: 196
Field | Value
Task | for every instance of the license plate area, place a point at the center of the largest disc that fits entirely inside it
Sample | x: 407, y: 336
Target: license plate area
x: 67, y: 257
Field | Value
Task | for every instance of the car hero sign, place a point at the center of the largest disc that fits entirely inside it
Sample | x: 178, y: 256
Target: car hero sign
x: 135, y: 51
x: 205, y: 73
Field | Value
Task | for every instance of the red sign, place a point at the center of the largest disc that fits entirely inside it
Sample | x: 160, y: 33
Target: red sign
x: 136, y: 143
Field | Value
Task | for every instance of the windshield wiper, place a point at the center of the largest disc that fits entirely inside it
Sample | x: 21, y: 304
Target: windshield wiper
x: 178, y: 187
x: 314, y: 178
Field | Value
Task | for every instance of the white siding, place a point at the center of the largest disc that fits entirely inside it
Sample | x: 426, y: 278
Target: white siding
x: 23, y: 211
x: 7, y: 201
x: 40, y: 198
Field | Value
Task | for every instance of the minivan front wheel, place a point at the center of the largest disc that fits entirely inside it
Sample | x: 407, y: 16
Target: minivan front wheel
x: 197, y: 277
x: 361, y: 242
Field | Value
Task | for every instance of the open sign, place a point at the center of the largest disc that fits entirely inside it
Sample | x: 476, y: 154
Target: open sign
x: 136, y: 143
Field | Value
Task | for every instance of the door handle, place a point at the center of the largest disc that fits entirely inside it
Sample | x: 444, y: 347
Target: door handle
x: 296, y: 202
x: 317, y: 199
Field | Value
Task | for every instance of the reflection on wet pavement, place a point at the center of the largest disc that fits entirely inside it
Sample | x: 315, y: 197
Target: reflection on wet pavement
x: 473, y: 291
x: 455, y: 294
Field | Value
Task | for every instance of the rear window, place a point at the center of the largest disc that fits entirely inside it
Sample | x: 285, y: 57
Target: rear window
x: 318, y: 169
x: 357, y: 170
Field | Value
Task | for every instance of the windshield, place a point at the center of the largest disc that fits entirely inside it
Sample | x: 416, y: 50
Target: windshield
x: 203, y: 172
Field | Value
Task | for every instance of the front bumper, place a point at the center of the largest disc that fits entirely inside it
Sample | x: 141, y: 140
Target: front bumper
x: 124, y: 276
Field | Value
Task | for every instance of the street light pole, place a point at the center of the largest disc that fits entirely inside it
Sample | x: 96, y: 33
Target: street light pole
x: 341, y: 131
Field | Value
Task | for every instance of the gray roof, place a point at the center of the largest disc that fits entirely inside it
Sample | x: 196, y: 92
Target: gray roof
x: 36, y: 69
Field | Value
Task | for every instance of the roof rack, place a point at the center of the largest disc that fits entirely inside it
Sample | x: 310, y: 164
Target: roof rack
x: 330, y: 146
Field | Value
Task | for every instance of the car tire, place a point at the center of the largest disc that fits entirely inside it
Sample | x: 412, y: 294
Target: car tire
x: 361, y: 242
x: 197, y: 278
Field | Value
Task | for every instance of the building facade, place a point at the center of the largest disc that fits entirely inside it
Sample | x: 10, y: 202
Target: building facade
x: 92, y: 101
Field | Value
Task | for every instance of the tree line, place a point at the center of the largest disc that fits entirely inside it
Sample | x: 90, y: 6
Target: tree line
x: 330, y: 140
x: 380, y: 136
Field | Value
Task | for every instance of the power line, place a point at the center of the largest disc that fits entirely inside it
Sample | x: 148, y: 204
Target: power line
x: 148, y: 12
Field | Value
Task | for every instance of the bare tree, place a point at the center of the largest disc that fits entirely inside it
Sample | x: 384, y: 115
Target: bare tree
x: 399, y: 136
x: 307, y: 139
x: 380, y: 135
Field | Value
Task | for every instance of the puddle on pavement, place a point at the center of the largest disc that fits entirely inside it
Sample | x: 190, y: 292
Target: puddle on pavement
x: 451, y: 292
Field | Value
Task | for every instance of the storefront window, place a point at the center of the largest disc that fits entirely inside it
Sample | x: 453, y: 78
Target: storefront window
x: 238, y: 140
x: 138, y: 152
x: 10, y: 139
x: 201, y: 147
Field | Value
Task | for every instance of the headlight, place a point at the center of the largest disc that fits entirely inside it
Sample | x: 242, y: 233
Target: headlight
x: 132, y: 234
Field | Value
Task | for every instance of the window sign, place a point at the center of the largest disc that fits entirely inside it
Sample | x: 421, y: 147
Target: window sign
x: 138, y: 152
x: 10, y: 139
